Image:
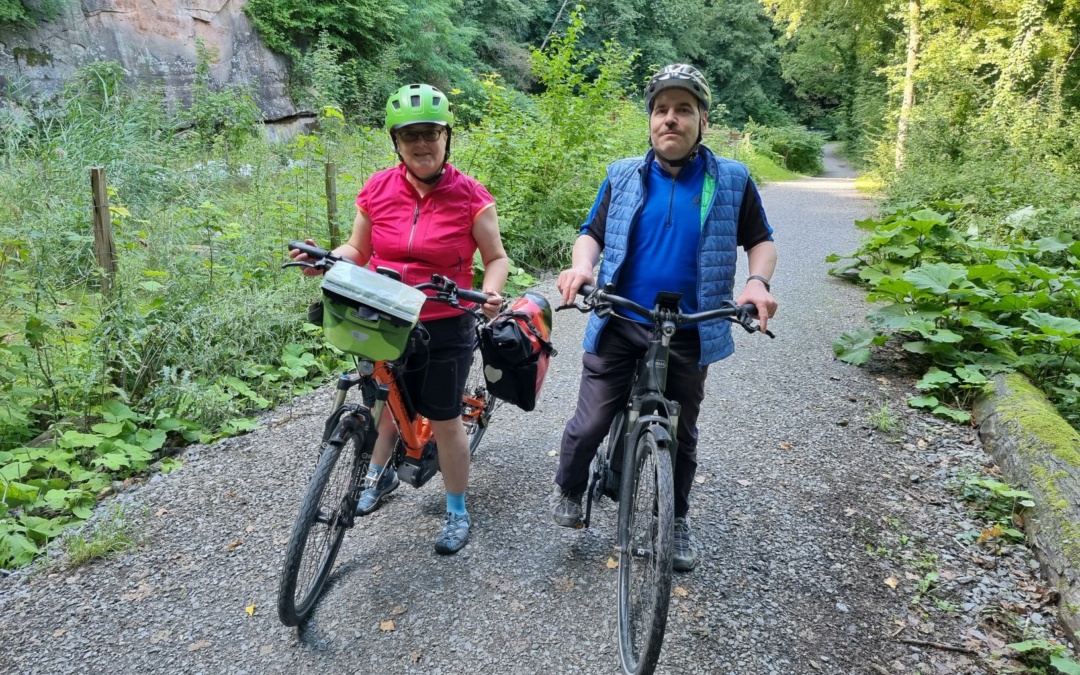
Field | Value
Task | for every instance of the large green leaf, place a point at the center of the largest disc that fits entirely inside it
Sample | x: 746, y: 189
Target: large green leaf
x: 923, y: 401
x: 937, y: 278
x: 934, y: 378
x: 1065, y: 665
x: 17, y: 470
x: 115, y: 411
x: 109, y: 429
x: 150, y: 440
x: 1059, y: 242
x: 1053, y: 325
x: 854, y: 347
x: 77, y: 439
x: 899, y: 317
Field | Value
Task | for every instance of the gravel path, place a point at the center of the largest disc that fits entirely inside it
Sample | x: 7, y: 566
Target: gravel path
x: 803, y: 509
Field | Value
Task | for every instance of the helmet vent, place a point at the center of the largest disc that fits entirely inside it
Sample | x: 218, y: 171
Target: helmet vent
x: 414, y: 100
x: 435, y: 101
x: 396, y: 104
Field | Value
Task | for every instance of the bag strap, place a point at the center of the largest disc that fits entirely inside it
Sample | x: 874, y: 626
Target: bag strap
x: 548, y: 348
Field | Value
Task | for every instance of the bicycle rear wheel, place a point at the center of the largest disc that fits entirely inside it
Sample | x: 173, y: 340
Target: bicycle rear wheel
x: 325, y: 514
x: 478, y: 403
x: 645, y: 536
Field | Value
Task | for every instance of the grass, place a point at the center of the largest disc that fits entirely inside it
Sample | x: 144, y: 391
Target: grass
x: 112, y: 533
x: 884, y: 419
x: 764, y: 170
x: 870, y: 184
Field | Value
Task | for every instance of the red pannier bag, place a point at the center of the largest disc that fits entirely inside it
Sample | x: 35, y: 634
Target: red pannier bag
x: 516, y: 349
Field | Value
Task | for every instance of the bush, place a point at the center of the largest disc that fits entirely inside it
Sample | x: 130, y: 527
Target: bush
x: 799, y: 148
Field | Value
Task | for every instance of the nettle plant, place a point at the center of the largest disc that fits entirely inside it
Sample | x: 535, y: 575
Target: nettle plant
x: 967, y: 307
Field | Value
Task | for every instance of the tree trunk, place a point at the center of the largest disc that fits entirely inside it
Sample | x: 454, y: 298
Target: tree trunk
x: 914, y: 12
x: 1039, y: 452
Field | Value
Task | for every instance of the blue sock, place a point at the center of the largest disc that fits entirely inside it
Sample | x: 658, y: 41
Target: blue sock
x: 455, y: 503
x: 374, y: 469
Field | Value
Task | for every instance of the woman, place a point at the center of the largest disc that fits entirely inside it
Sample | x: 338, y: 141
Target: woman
x: 420, y: 218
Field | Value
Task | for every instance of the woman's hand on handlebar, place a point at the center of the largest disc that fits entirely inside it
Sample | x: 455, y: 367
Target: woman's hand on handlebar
x: 756, y: 295
x: 493, y: 306
x: 299, y: 256
x: 571, y: 280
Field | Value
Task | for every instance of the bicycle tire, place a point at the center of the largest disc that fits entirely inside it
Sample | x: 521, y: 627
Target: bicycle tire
x: 646, y: 547
x: 320, y: 525
x: 476, y: 396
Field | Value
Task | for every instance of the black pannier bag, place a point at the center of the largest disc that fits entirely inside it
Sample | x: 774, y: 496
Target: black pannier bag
x: 516, y: 350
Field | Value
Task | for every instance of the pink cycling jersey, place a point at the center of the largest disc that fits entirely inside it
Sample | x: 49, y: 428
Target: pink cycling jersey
x: 420, y: 236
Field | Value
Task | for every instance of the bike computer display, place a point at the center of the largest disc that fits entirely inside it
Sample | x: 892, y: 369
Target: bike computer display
x: 668, y: 300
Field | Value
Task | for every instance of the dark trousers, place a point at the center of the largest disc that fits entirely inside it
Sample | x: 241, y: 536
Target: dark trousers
x: 606, y: 379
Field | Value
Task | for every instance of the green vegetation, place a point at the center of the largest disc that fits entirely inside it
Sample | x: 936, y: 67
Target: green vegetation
x: 25, y: 13
x: 111, y: 532
x: 353, y: 53
x: 202, y: 329
x: 966, y: 117
x: 968, y: 307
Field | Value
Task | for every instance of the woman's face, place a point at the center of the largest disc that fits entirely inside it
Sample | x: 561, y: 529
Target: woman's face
x: 422, y: 147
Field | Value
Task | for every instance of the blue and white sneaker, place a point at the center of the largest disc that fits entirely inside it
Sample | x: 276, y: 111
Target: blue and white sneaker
x: 454, y: 535
x: 373, y: 494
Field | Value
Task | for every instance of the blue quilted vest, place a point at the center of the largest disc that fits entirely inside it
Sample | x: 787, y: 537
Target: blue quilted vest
x: 725, y: 182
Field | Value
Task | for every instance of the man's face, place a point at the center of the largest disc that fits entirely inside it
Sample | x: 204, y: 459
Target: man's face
x: 674, y: 123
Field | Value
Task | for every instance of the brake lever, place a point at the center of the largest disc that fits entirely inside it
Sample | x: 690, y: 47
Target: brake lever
x: 296, y: 263
x: 574, y: 305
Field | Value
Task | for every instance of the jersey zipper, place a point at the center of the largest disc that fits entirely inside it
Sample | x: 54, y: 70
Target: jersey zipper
x: 670, y: 204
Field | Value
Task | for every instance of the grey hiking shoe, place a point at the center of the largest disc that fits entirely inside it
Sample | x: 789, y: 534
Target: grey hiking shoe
x: 454, y: 535
x: 373, y: 494
x: 566, y: 511
x: 686, y: 552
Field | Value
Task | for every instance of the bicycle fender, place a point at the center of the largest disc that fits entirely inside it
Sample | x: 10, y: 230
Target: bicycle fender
x: 658, y: 424
x: 661, y: 433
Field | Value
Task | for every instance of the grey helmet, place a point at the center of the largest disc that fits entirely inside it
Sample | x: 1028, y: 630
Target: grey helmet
x: 682, y: 76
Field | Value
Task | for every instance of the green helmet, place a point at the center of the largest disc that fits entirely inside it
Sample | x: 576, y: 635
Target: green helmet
x: 415, y: 104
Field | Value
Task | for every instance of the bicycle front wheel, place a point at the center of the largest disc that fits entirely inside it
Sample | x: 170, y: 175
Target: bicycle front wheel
x: 645, y: 536
x: 320, y: 526
x: 478, y: 403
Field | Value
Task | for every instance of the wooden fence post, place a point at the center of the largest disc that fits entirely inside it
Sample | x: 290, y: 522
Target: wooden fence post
x: 104, y: 244
x: 331, y: 204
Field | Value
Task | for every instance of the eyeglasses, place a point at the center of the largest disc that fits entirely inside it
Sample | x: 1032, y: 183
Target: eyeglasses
x: 412, y: 135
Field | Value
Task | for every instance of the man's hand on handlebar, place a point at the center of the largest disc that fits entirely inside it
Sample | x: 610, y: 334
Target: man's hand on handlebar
x: 571, y: 280
x: 755, y: 294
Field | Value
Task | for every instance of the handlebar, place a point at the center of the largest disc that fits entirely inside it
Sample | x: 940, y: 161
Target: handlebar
x: 600, y: 299
x: 445, y: 289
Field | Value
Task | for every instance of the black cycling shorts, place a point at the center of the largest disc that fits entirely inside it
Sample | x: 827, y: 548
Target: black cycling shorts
x: 435, y: 372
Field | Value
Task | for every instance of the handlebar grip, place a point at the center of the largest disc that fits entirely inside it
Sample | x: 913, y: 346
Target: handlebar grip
x: 472, y: 296
x: 311, y: 251
x: 586, y: 289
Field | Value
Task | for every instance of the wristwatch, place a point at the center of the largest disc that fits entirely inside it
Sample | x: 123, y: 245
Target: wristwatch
x: 763, y: 280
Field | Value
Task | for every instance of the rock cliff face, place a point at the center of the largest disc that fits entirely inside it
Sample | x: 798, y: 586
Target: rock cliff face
x: 154, y: 40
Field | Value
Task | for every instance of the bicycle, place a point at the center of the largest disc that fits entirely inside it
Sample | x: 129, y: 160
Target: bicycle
x: 644, y: 434
x: 329, y: 505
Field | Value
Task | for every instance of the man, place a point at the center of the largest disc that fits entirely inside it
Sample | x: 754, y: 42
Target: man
x: 671, y: 221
